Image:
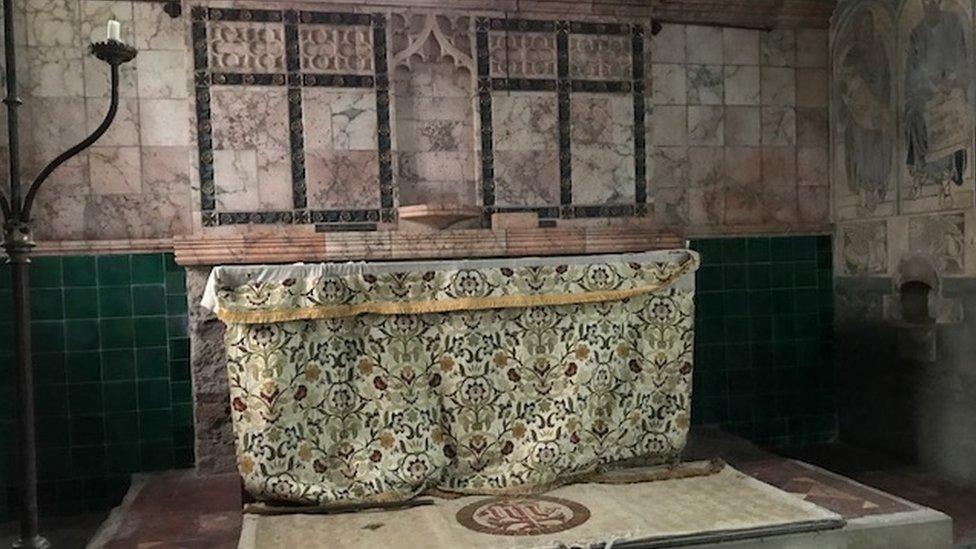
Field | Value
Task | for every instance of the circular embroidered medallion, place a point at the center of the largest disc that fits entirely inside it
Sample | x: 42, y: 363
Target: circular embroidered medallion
x: 522, y: 516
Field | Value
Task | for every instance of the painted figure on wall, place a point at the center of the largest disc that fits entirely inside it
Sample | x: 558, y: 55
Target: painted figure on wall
x: 866, y: 109
x: 938, y: 90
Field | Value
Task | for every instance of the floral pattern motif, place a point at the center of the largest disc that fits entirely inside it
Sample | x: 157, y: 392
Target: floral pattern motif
x: 380, y: 407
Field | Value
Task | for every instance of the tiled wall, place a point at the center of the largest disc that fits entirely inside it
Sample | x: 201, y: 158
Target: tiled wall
x: 763, y: 342
x: 111, y: 376
x: 739, y: 127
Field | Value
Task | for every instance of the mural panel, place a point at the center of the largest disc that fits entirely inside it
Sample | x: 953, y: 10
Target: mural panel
x: 936, y: 103
x: 864, y: 133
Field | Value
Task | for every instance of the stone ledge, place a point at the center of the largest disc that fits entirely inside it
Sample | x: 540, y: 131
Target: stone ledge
x: 395, y: 245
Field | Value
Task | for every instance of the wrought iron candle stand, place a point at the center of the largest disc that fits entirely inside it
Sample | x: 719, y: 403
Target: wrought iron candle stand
x: 18, y: 241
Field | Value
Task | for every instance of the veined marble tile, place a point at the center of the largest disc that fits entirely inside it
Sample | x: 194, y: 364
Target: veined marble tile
x: 55, y: 72
x: 669, y: 125
x: 603, y: 175
x: 95, y: 14
x: 778, y: 86
x: 274, y: 179
x: 669, y: 167
x: 743, y: 205
x: 162, y: 74
x: 53, y: 23
x: 705, y: 83
x: 336, y: 49
x: 813, y: 204
x: 742, y: 126
x: 126, y: 216
x: 124, y: 130
x: 778, y: 48
x: 811, y: 88
x: 249, y: 47
x: 236, y: 180
x: 811, y: 48
x: 778, y: 126
x: 812, y: 167
x: 705, y: 125
x: 339, y: 120
x: 779, y: 184
x: 164, y: 122
x: 522, y: 54
x: 741, y: 46
x: 526, y: 178
x: 249, y: 117
x: 602, y: 120
x: 811, y: 128
x: 668, y: 46
x: 436, y: 166
x: 115, y: 170
x: 704, y: 45
x: 56, y: 123
x: 671, y: 206
x: 669, y: 84
x: 525, y: 121
x: 600, y: 57
x: 98, y: 79
x: 433, y: 135
x: 706, y: 206
x: 706, y: 166
x: 420, y: 191
x: 166, y: 170
x: 155, y: 30
x: 743, y: 166
x: 741, y: 85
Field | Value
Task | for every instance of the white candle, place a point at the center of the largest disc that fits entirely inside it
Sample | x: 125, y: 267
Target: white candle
x: 114, y: 29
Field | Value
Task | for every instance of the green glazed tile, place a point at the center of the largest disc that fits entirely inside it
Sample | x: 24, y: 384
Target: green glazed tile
x: 761, y: 328
x: 81, y: 335
x: 6, y: 303
x: 4, y: 277
x: 85, y: 398
x: 120, y: 396
x: 183, y: 415
x: 113, y: 270
x: 155, y: 424
x: 46, y: 336
x: 183, y: 457
x: 759, y: 276
x: 52, y: 432
x: 150, y: 331
x: 46, y: 304
x: 804, y: 248
x: 79, y: 271
x: 736, y: 277
x: 119, y: 364
x: 80, y: 303
x: 176, y: 326
x: 88, y: 461
x: 176, y: 304
x: 784, y: 328
x: 179, y: 370
x: 152, y: 362
x: 86, y: 430
x: 709, y: 278
x: 51, y: 400
x: 734, y: 250
x: 117, y: 333
x: 154, y: 394
x: 49, y: 367
x: 122, y: 427
x: 709, y: 304
x: 805, y: 274
x: 736, y: 329
x: 784, y: 302
x: 148, y: 300
x: 176, y: 283
x: 45, y: 272
x: 179, y: 348
x: 147, y: 269
x: 781, y: 275
x: 736, y: 303
x: 180, y: 392
x: 780, y: 249
x: 156, y: 456
x: 122, y: 458
x: 169, y: 262
x: 83, y: 366
x: 757, y: 250
x: 115, y: 301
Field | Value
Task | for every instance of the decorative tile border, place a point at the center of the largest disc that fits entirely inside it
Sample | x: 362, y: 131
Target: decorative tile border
x: 294, y: 80
x: 563, y: 85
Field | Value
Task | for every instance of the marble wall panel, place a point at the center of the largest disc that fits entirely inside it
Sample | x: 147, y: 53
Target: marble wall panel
x: 741, y: 46
x: 778, y: 126
x: 342, y: 179
x: 778, y: 48
x: 705, y: 85
x: 704, y: 45
x: 154, y: 29
x: 602, y: 134
x: 942, y: 238
x: 339, y: 119
x: 864, y: 248
x: 600, y: 57
x: 742, y: 126
x: 522, y: 54
x: 741, y: 85
x: 246, y: 47
x: 249, y: 117
x: 706, y: 125
x: 334, y: 49
x: 115, y: 170
x: 525, y: 121
x: 669, y: 84
x: 526, y: 178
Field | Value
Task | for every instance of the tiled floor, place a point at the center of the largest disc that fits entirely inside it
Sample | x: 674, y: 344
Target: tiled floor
x: 181, y: 510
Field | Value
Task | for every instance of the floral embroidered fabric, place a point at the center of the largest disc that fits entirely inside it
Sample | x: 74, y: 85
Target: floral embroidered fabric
x: 489, y: 397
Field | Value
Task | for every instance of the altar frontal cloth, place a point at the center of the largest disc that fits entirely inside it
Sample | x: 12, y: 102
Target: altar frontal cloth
x: 374, y: 382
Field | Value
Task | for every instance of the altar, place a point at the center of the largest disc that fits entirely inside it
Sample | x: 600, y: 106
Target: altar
x: 373, y: 382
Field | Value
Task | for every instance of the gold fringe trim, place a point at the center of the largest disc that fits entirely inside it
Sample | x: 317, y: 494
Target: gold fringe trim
x: 440, y: 306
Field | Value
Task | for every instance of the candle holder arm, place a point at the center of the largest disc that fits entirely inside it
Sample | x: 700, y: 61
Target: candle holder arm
x: 114, y: 60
